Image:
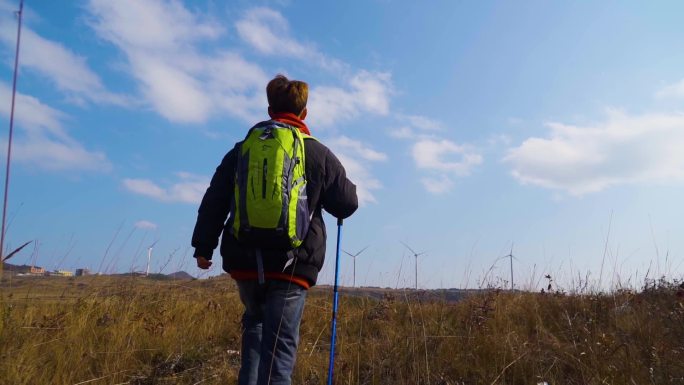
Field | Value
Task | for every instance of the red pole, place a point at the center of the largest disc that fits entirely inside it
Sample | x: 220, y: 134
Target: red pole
x: 11, y: 131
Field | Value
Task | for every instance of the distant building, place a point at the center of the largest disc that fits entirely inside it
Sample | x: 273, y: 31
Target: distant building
x: 82, y: 272
x: 37, y: 270
x: 62, y: 273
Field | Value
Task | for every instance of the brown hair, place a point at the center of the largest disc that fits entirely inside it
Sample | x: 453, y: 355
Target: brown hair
x: 286, y: 95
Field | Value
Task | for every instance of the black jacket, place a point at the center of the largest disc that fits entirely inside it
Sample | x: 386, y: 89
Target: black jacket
x: 327, y: 188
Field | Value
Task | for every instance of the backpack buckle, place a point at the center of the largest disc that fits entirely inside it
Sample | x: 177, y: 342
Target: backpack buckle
x: 268, y: 133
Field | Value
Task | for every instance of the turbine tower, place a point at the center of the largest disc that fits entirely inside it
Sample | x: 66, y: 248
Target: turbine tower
x: 511, y: 257
x: 149, y: 257
x: 3, y: 229
x: 354, y: 259
x: 416, y: 256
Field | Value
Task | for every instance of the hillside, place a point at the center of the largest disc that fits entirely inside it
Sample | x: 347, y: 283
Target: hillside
x: 446, y: 295
x: 132, y: 330
x: 180, y: 275
x: 9, y: 268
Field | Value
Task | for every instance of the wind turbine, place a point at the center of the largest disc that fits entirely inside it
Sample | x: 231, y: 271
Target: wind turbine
x: 354, y: 259
x: 149, y: 257
x: 511, y: 257
x: 416, y: 256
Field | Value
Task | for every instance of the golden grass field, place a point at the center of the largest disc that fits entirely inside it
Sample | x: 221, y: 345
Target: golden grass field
x: 133, y: 330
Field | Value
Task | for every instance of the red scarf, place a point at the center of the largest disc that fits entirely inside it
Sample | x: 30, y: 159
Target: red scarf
x: 291, y: 119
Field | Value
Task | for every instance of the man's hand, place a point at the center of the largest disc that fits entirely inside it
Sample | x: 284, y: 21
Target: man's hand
x: 203, y: 263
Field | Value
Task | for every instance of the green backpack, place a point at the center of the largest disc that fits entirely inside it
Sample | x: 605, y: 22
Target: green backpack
x: 270, y: 209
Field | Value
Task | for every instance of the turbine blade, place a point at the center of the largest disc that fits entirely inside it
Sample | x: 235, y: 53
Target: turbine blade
x: 362, y: 250
x: 408, y: 247
x: 18, y: 249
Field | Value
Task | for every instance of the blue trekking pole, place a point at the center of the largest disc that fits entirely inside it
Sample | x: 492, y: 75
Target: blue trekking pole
x: 333, y: 333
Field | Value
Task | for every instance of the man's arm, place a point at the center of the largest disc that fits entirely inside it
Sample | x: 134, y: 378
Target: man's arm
x: 214, y: 210
x: 339, y: 193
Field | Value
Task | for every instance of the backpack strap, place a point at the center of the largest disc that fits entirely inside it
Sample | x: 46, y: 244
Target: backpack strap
x: 260, y: 265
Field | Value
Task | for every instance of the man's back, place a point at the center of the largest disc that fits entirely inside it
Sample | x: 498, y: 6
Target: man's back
x: 327, y: 188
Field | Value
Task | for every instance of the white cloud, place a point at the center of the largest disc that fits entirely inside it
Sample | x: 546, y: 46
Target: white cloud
x: 55, y: 155
x: 145, y: 187
x: 367, y: 93
x: 189, y: 188
x: 31, y: 114
x: 183, y: 84
x: 360, y: 174
x: 439, y: 158
x: 443, y: 160
x: 68, y: 70
x: 356, y: 158
x: 267, y: 31
x: 497, y: 140
x: 435, y: 155
x: 240, y: 90
x: 438, y: 185
x: 173, y: 92
x: 356, y: 147
x: 415, y: 127
x: 675, y: 90
x: 154, y: 25
x: 621, y: 149
x: 43, y: 142
x: 423, y: 122
x: 402, y: 132
x: 373, y: 91
x: 145, y: 225
x: 176, y: 78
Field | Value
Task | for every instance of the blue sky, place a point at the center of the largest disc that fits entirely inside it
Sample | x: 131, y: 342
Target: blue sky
x: 466, y: 125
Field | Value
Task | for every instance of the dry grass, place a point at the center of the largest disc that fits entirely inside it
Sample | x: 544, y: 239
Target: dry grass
x: 105, y: 330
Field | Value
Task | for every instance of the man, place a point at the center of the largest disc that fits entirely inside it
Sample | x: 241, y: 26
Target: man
x: 273, y: 282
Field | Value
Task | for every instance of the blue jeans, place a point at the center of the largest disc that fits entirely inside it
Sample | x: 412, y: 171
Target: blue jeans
x: 270, y: 333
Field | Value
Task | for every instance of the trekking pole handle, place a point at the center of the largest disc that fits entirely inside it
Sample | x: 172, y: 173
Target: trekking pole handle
x: 339, y: 221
